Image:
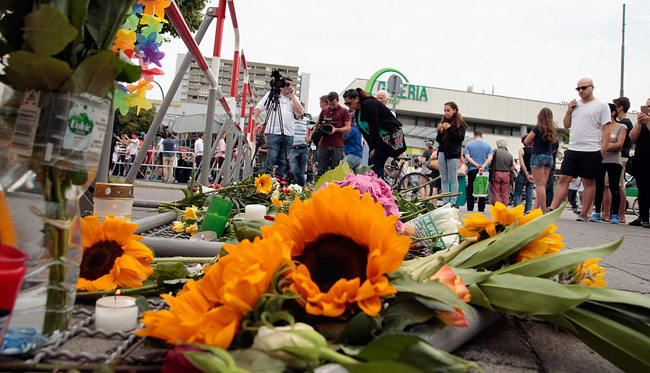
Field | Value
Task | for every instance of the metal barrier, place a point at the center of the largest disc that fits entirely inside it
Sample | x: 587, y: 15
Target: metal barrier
x: 243, y: 166
x: 151, y: 169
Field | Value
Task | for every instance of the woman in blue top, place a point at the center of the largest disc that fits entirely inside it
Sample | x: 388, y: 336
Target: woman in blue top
x: 374, y: 120
x: 542, y: 138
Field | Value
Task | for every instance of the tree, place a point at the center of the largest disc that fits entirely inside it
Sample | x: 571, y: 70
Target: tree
x: 191, y: 11
x: 131, y: 122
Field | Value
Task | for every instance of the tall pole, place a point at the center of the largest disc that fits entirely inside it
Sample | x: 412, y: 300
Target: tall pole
x: 622, y: 51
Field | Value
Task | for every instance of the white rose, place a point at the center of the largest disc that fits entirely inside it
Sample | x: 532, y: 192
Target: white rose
x: 268, y: 339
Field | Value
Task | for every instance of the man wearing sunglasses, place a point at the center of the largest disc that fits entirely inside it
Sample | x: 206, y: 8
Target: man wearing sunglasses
x: 590, y: 123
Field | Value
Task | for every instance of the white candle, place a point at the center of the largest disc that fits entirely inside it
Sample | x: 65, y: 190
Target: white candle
x: 254, y: 212
x: 204, y: 236
x: 116, y: 313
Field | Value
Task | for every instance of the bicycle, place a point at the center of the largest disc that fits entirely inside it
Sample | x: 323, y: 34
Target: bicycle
x: 412, y: 184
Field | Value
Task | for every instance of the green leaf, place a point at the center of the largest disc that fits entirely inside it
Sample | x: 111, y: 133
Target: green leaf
x: 551, y: 264
x: 142, y: 303
x: 104, y: 18
x: 207, y: 362
x: 125, y: 71
x: 472, y: 276
x: 256, y: 361
x: 431, y: 289
x: 388, y: 347
x: 48, y: 31
x: 27, y: 70
x: 505, y: 243
x: 94, y: 75
x: 611, y: 295
x: 169, y: 271
x: 78, y: 13
x: 360, y: 329
x: 337, y: 174
x: 410, y: 310
x: 249, y: 229
x: 381, y: 367
x: 523, y: 295
x: 625, y: 347
x: 478, y: 298
x: 424, y: 356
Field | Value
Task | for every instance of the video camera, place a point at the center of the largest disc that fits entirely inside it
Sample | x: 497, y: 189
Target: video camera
x: 325, y: 128
x: 277, y: 81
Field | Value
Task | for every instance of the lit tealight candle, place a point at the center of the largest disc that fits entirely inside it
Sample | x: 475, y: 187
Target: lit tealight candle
x: 204, y: 236
x: 116, y: 313
x: 254, y: 212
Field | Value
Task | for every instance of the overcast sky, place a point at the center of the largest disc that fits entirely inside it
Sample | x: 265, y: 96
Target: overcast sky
x: 534, y: 49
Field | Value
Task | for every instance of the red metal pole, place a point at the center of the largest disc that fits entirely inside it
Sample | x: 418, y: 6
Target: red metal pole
x: 235, y: 75
x: 218, y: 39
x: 179, y: 24
x: 250, y: 123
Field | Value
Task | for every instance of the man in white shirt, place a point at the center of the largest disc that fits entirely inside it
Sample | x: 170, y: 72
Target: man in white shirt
x: 590, y: 123
x: 198, y: 154
x: 280, y: 126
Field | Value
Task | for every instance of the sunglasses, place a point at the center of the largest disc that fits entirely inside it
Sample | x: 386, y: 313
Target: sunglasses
x: 583, y: 87
x: 348, y: 103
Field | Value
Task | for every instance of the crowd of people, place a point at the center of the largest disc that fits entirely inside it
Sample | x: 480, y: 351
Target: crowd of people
x: 294, y: 148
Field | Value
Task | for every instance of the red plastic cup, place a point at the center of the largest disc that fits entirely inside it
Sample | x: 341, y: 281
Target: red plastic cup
x: 12, y: 272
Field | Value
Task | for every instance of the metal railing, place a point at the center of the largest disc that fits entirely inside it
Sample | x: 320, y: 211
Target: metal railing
x: 235, y: 132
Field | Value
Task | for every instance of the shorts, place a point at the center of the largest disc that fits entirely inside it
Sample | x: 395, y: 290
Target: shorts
x: 541, y: 160
x: 583, y: 164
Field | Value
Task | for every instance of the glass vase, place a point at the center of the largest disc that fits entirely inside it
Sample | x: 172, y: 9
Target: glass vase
x: 51, y: 145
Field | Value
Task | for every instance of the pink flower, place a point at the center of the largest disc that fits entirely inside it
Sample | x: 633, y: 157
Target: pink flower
x: 378, y: 189
x: 175, y: 361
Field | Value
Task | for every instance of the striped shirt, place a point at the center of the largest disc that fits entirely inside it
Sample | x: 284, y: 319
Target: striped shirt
x: 301, y: 128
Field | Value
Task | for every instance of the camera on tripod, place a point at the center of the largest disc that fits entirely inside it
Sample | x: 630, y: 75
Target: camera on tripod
x: 277, y: 81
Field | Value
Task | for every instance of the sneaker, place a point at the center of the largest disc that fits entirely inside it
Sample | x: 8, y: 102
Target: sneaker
x: 595, y: 217
x: 575, y: 211
x: 636, y: 223
x: 615, y: 219
x: 156, y: 179
x: 582, y: 218
x: 646, y: 225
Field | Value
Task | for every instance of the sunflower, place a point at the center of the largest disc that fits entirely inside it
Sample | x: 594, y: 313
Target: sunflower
x: 346, y: 246
x: 112, y: 255
x: 589, y: 273
x: 264, y: 184
x: 477, y: 225
x: 210, y: 310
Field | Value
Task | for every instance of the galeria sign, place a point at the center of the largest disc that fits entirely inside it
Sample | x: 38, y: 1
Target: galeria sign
x: 410, y: 91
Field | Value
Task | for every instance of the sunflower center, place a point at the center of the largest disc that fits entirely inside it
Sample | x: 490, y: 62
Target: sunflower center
x: 98, y: 259
x: 332, y: 257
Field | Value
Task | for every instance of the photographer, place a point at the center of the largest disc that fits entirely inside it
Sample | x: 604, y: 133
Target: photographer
x: 280, y: 122
x: 333, y: 122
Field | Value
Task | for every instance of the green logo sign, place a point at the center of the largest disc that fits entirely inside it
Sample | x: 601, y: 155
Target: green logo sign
x: 410, y: 91
x: 80, y: 124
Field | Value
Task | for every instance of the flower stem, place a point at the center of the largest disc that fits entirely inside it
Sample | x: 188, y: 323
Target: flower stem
x: 125, y: 291
x: 335, y: 357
